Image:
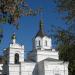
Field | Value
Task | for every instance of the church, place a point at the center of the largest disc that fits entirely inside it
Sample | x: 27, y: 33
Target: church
x: 42, y: 60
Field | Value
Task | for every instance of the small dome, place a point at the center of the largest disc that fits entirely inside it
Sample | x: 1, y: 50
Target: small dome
x: 13, y: 36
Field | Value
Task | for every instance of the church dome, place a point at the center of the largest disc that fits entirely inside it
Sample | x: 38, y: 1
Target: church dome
x: 13, y: 36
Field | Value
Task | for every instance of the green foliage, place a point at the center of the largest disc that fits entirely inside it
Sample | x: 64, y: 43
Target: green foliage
x: 66, y: 47
x: 66, y: 39
x: 72, y: 67
x: 67, y: 52
x: 12, y: 10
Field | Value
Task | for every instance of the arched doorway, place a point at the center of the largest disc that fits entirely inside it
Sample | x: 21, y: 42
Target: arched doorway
x: 16, y: 58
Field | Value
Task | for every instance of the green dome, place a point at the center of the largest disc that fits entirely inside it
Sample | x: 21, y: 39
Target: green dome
x: 13, y: 36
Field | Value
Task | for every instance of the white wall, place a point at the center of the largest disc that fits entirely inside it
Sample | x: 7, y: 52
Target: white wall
x: 27, y: 68
x: 41, y: 68
x: 14, y: 69
x: 49, y: 43
x: 52, y: 68
x: 40, y: 55
x: 37, y: 43
x: 15, y: 48
x: 1, y: 68
x: 42, y: 43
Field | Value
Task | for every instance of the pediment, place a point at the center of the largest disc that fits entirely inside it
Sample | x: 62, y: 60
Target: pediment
x: 16, y: 45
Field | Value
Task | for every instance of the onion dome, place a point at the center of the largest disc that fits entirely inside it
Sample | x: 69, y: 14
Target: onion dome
x: 13, y: 36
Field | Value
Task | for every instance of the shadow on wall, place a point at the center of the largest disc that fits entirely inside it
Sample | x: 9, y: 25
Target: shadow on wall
x: 35, y: 72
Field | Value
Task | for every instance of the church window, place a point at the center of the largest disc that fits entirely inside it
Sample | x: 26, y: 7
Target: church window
x: 46, y: 43
x: 16, y: 58
x: 39, y: 42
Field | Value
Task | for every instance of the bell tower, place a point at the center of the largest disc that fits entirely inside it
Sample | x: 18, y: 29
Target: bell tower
x: 41, y: 40
x: 15, y: 52
x: 42, y: 46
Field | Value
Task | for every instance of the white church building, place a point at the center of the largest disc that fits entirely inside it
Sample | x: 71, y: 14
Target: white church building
x: 43, y: 60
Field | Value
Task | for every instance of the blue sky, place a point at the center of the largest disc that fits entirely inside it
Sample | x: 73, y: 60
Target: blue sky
x: 29, y: 25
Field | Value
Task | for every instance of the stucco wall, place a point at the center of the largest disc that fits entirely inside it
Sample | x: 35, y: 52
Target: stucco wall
x: 42, y: 43
x: 14, y: 69
x: 53, y: 68
x: 16, y: 48
x: 27, y: 68
x: 41, y: 68
x: 24, y: 68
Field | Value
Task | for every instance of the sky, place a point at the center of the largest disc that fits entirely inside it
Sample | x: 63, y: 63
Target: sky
x: 29, y: 25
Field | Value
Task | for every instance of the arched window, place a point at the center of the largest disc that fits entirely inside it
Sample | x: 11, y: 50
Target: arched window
x: 39, y: 42
x: 16, y: 58
x: 46, y: 43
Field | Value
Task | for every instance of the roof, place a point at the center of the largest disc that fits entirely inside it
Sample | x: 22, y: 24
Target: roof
x: 13, y: 36
x: 40, y: 34
x: 55, y: 60
x: 51, y: 59
x: 41, y: 31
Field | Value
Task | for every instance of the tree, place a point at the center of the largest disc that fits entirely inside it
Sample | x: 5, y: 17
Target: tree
x: 12, y: 10
x: 66, y: 46
x: 67, y: 7
x: 66, y: 38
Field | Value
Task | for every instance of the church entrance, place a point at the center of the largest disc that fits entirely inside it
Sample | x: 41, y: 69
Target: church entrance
x: 16, y: 58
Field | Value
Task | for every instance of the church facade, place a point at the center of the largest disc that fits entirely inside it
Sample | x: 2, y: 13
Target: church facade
x: 43, y: 60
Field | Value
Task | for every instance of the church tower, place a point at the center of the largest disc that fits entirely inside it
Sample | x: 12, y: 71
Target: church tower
x: 41, y: 40
x: 15, y: 52
x: 13, y: 56
x: 42, y: 46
